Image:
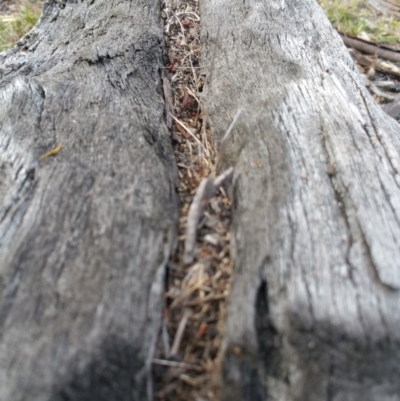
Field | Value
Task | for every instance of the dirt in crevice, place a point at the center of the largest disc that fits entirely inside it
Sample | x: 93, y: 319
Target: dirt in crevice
x: 187, y: 365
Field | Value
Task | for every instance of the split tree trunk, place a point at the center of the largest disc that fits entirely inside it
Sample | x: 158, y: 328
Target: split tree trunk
x: 85, y: 235
x: 314, y: 308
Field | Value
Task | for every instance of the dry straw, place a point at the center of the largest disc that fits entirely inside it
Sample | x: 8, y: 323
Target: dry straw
x: 198, y: 278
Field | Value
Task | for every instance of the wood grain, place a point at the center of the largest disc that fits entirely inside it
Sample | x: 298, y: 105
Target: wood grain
x: 313, y: 311
x: 85, y: 234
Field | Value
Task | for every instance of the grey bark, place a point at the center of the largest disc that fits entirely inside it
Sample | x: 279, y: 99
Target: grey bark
x: 314, y: 308
x: 84, y: 235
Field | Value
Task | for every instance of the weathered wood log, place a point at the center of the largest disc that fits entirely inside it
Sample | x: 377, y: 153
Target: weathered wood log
x: 314, y: 308
x: 84, y: 235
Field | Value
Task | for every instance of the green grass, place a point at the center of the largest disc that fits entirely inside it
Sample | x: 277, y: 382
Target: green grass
x: 14, y: 26
x: 358, y: 18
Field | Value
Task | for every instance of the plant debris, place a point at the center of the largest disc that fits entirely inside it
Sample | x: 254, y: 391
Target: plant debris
x: 52, y: 152
x: 187, y: 364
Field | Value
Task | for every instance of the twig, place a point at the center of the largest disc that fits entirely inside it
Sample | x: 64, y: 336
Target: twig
x: 225, y: 176
x: 381, y: 93
x: 370, y: 48
x: 174, y: 364
x: 182, y: 131
x: 207, y: 189
x: 179, y: 333
x: 375, y: 64
x: 204, y: 192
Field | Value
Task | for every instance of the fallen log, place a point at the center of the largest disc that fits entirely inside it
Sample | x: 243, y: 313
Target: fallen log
x: 313, y: 311
x: 88, y: 210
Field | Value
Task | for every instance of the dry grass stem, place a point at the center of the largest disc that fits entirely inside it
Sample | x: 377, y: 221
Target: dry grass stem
x: 205, y: 191
x: 188, y: 131
x: 174, y: 364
